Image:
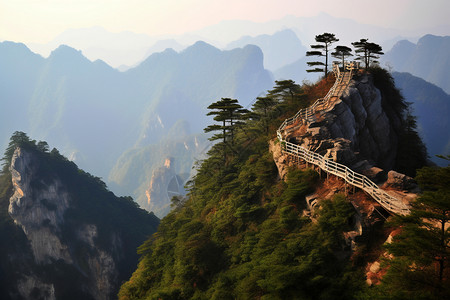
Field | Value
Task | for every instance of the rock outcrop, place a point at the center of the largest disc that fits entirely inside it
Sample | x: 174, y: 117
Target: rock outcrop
x: 360, y: 129
x: 164, y: 185
x: 66, y: 255
x: 39, y: 212
x: 356, y: 131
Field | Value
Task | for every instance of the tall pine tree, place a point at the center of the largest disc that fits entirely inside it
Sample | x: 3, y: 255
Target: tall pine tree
x: 325, y: 41
x: 230, y: 115
x: 367, y: 52
x: 341, y: 52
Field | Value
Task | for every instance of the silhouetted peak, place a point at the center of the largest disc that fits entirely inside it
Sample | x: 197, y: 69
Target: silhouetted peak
x: 200, y: 47
x: 7, y: 47
x: 432, y: 40
x: 403, y: 45
x: 65, y: 52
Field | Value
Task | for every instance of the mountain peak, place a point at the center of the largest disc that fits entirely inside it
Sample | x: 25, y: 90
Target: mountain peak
x: 66, y: 52
x: 430, y: 40
x: 200, y: 46
x: 90, y: 236
x: 9, y: 47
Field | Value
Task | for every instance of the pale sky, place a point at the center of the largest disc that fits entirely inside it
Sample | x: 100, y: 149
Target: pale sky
x: 39, y: 21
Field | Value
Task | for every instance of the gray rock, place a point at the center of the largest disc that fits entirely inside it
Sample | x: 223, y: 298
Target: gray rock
x: 400, y: 181
x: 359, y: 118
x: 164, y: 185
x: 39, y: 211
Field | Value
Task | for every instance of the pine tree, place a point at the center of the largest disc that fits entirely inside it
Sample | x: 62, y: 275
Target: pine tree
x: 341, y: 52
x: 262, y: 111
x: 230, y: 115
x: 325, y: 40
x: 369, y: 52
x: 285, y: 91
x: 18, y: 139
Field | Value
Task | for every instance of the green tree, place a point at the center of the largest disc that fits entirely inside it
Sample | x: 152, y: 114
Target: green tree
x: 287, y: 93
x: 341, y: 52
x: 43, y: 146
x: 367, y: 52
x: 230, y: 115
x: 412, y: 152
x: 263, y: 111
x: 18, y: 139
x: 325, y: 41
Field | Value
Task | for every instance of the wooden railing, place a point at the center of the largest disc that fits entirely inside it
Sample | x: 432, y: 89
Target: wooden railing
x: 389, y: 202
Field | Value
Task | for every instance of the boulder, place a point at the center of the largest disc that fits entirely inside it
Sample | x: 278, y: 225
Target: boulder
x: 400, y: 181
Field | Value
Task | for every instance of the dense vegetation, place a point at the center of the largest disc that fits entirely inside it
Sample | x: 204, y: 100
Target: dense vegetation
x: 91, y: 203
x: 241, y: 232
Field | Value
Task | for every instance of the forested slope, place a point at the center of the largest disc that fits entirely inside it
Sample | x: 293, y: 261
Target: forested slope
x: 242, y: 232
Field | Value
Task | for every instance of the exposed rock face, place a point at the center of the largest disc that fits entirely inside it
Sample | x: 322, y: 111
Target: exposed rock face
x: 39, y: 213
x: 400, y: 181
x: 280, y: 159
x: 359, y: 130
x: 356, y: 131
x: 38, y: 208
x: 164, y: 185
x: 62, y: 257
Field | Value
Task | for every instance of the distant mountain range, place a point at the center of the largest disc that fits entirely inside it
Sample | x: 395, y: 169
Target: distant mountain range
x: 428, y: 59
x: 94, y: 113
x: 280, y: 49
x: 128, y: 48
x: 431, y: 105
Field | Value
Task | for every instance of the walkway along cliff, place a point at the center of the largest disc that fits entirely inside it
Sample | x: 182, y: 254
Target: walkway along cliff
x: 315, y: 113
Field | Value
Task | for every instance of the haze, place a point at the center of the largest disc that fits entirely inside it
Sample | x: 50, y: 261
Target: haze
x: 39, y: 21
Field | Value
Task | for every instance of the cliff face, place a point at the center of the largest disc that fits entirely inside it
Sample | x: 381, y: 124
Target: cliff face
x: 39, y: 212
x: 69, y: 255
x: 164, y: 185
x: 359, y: 130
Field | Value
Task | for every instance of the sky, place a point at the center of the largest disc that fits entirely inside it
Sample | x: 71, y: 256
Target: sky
x: 39, y: 21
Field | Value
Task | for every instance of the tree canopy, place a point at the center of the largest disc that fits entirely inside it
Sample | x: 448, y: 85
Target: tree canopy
x: 230, y: 115
x: 367, y: 52
x: 325, y: 41
x: 341, y: 52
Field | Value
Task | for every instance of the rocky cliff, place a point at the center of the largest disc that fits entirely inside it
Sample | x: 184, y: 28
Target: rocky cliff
x: 368, y: 128
x: 365, y: 129
x: 356, y: 129
x: 77, y: 240
x: 164, y: 185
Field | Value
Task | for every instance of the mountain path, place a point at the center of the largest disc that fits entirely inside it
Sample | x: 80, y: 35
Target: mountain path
x: 315, y: 113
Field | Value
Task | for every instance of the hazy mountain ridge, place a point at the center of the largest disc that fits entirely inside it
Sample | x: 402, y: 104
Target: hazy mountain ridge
x: 431, y: 105
x: 95, y: 113
x: 19, y: 69
x: 280, y: 49
x: 428, y: 59
x: 128, y: 48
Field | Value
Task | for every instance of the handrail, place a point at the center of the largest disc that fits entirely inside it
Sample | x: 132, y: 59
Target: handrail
x: 389, y: 202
